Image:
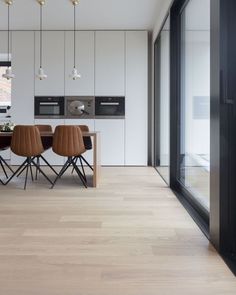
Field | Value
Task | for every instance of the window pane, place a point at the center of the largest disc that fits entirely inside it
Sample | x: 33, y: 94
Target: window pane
x: 162, y: 100
x: 195, y: 100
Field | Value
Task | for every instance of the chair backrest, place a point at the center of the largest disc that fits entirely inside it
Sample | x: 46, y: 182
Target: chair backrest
x: 68, y: 141
x: 87, y: 139
x: 44, y: 128
x: 26, y: 141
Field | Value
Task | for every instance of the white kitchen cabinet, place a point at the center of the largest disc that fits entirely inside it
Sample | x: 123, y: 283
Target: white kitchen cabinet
x: 23, y: 84
x: 109, y: 63
x: 112, y: 141
x: 49, y: 155
x: 84, y: 63
x: 53, y: 63
x: 90, y: 123
x: 136, y: 126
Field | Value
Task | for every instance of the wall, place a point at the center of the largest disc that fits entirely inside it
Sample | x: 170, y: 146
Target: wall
x: 166, y: 4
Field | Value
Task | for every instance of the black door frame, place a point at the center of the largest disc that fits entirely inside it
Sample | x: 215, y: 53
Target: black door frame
x: 197, y: 211
x: 223, y: 130
x: 221, y: 230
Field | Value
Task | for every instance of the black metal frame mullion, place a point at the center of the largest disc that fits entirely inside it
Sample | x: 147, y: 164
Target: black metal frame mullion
x: 196, y: 210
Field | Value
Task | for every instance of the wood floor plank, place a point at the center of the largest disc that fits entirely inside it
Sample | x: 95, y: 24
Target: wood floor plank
x: 130, y: 236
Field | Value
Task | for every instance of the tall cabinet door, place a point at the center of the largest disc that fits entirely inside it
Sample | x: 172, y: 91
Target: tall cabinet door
x: 136, y: 98
x: 110, y: 63
x: 112, y: 141
x: 53, y: 63
x: 84, y: 63
x: 23, y: 83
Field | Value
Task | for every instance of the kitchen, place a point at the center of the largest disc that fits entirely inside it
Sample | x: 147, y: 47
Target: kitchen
x: 111, y: 96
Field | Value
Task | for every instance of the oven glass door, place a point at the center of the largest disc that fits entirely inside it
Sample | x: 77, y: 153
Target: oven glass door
x: 110, y: 106
x: 51, y: 108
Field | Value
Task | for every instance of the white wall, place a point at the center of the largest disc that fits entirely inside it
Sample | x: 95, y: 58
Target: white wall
x: 162, y: 13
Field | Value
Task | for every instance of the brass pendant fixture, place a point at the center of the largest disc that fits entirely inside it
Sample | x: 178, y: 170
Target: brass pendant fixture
x: 8, y: 74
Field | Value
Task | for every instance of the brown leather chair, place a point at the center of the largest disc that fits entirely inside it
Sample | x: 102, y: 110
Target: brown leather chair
x: 26, y: 142
x: 88, y: 146
x: 5, y: 143
x: 68, y: 142
x: 47, y: 144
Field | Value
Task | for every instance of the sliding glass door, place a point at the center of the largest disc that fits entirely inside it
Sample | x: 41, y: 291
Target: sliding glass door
x: 162, y: 102
x: 194, y: 141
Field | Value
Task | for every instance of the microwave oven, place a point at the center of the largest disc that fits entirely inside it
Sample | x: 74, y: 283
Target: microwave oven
x: 49, y: 106
x: 110, y: 107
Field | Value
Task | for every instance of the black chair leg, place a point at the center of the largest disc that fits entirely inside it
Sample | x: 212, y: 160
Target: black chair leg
x: 63, y: 170
x: 86, y: 162
x: 76, y: 160
x: 41, y: 171
x: 26, y: 175
x: 16, y: 172
x: 82, y: 166
x: 38, y: 163
x: 31, y: 172
x: 5, y: 163
x: 79, y: 173
x: 49, y: 165
x: 3, y: 168
x: 20, y: 172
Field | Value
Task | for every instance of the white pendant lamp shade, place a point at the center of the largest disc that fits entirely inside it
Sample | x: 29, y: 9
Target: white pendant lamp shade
x: 75, y: 74
x: 41, y: 74
x: 8, y: 74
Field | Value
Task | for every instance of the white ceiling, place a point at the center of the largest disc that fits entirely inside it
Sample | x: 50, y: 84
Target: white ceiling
x: 91, y: 14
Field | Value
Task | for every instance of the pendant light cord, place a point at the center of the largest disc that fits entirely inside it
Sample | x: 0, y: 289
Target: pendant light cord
x: 41, y: 35
x: 74, y: 35
x: 8, y: 33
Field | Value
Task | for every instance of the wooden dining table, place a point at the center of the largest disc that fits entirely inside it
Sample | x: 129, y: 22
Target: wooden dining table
x: 48, y: 137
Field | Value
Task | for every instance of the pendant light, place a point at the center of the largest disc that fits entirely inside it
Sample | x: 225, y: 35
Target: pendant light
x: 8, y: 74
x: 41, y: 75
x: 75, y: 75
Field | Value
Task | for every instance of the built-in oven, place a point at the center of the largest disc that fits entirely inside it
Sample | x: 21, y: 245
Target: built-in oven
x: 80, y: 107
x: 49, y: 106
x: 110, y: 107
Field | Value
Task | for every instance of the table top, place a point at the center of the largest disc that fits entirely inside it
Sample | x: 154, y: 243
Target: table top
x: 50, y: 134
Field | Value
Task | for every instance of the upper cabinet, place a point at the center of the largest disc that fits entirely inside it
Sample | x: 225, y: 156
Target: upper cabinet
x: 109, y: 63
x: 84, y: 63
x: 53, y: 63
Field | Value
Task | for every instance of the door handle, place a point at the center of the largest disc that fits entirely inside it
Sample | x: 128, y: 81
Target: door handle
x: 224, y: 98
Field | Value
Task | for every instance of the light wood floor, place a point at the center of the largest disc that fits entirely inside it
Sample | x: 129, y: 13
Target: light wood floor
x: 129, y: 237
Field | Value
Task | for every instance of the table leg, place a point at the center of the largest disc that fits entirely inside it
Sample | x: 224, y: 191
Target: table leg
x: 96, y: 159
